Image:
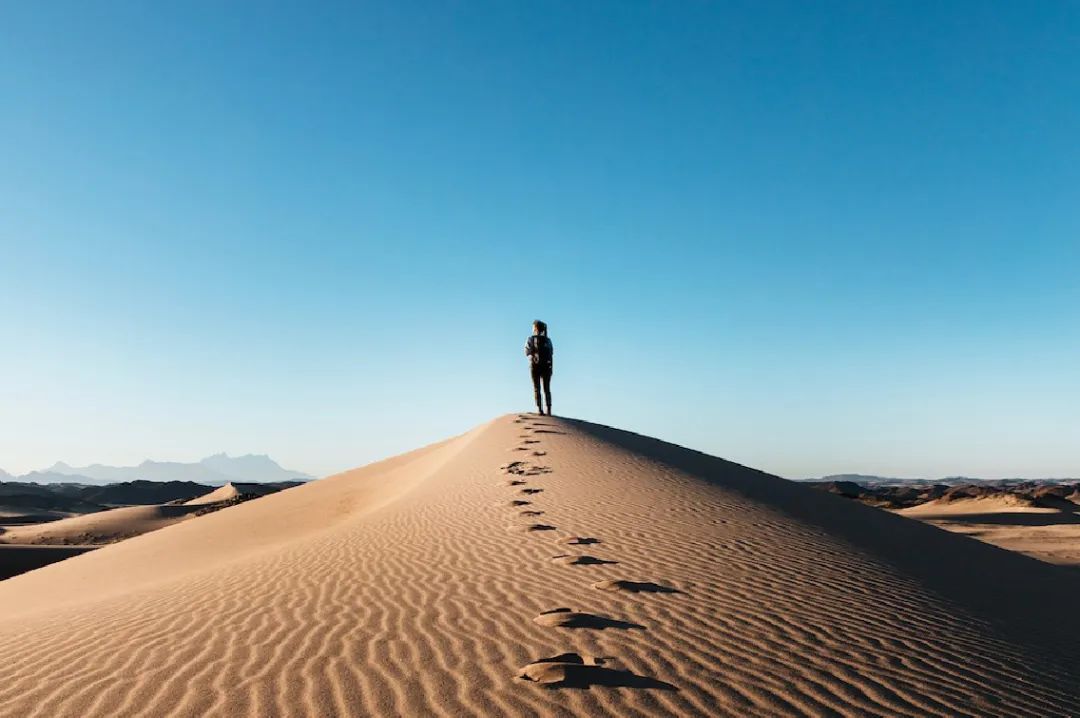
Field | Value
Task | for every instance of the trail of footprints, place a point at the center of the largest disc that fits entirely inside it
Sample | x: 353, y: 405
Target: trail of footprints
x: 570, y: 670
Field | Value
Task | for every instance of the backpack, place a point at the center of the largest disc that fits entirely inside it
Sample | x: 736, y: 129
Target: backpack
x: 542, y: 350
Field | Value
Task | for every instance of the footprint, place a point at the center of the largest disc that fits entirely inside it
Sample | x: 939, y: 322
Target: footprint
x: 521, y: 468
x: 634, y: 586
x: 513, y: 482
x: 580, y: 560
x: 565, y: 618
x: 579, y: 541
x: 539, y: 453
x: 530, y: 492
x: 530, y: 513
x: 531, y: 441
x: 547, y: 431
x: 533, y: 527
x: 520, y: 502
x: 570, y: 670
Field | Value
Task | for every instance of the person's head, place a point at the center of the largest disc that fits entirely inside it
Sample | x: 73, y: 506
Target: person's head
x: 539, y: 327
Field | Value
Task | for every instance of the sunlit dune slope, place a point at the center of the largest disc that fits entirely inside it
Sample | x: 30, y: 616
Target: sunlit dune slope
x: 101, y: 527
x: 230, y: 492
x: 1046, y: 528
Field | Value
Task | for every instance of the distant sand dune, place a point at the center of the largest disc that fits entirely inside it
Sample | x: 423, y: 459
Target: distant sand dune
x: 1047, y: 529
x: 112, y: 525
x: 988, y: 505
x: 101, y: 527
x: 231, y: 492
x: 396, y: 590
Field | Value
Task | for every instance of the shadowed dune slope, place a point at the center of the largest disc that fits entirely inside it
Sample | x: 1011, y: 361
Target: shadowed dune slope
x: 411, y: 587
x: 19, y: 559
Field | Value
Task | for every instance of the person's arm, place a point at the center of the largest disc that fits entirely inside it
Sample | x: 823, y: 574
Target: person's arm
x: 529, y: 347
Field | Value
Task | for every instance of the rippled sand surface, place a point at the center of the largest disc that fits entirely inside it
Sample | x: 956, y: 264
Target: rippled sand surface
x: 539, y: 566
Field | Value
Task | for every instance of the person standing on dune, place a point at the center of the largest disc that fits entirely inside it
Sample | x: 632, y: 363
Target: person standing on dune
x: 540, y: 352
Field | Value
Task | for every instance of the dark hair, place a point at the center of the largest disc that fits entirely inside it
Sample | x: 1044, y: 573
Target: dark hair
x: 541, y: 327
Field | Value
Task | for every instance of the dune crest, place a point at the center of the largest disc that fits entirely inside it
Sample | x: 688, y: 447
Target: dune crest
x: 232, y: 491
x: 396, y: 589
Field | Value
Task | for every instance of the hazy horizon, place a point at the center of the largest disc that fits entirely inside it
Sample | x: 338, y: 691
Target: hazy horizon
x: 812, y: 240
x: 196, y: 459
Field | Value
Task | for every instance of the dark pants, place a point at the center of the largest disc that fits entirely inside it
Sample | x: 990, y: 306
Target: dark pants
x: 541, y: 374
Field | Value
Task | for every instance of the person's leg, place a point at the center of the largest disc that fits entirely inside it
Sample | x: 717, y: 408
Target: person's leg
x: 547, y: 390
x: 536, y: 388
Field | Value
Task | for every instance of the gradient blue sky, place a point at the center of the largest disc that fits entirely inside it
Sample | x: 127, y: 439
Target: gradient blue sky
x: 808, y: 237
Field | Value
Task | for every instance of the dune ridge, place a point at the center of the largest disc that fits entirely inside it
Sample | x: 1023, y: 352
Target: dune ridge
x: 701, y: 588
x: 231, y: 492
x: 103, y: 526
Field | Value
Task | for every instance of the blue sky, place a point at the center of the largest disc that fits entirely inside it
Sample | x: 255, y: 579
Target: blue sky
x: 808, y: 237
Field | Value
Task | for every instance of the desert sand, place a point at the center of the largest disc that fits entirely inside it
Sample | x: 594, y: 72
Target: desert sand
x: 1049, y: 532
x: 538, y: 566
x: 101, y: 527
x: 112, y: 525
x: 232, y: 491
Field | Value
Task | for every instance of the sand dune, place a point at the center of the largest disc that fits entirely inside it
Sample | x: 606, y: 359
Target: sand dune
x: 706, y: 588
x: 232, y: 491
x: 982, y: 505
x: 112, y: 525
x: 1046, y: 528
x: 100, y: 528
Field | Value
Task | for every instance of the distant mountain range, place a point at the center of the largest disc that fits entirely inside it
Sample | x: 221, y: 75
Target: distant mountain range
x: 870, y: 480
x: 215, y: 470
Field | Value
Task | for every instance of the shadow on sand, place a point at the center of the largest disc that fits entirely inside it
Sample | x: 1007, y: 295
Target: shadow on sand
x: 1015, y: 518
x: 569, y: 670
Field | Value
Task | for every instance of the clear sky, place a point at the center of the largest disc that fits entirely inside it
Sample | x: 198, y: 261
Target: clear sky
x: 807, y: 237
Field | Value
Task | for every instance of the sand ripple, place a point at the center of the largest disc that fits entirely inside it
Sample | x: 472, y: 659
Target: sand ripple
x: 396, y: 590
